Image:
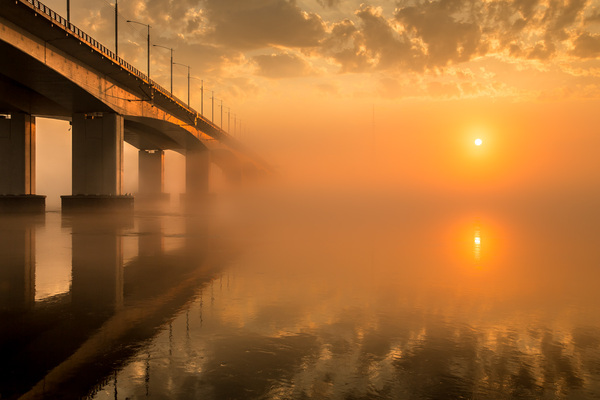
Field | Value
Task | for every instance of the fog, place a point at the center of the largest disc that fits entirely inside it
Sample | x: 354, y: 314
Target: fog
x: 385, y: 251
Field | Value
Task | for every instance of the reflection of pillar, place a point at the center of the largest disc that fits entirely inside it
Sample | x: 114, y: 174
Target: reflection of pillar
x: 151, y: 172
x: 151, y: 239
x: 97, y: 161
x: 17, y: 266
x: 17, y: 164
x: 97, y: 277
x: 197, y: 164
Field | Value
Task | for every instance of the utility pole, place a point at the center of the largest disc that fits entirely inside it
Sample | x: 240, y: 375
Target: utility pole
x: 188, y: 76
x: 69, y: 11
x: 212, y: 107
x: 171, y: 49
x: 148, y: 26
x: 117, y: 28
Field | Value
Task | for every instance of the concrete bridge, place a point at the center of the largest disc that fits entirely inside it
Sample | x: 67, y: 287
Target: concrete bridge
x: 51, y: 68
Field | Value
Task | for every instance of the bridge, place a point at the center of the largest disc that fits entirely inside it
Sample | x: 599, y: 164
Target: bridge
x: 51, y: 68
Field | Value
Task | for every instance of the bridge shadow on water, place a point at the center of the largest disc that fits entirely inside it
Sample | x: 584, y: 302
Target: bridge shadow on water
x: 65, y: 345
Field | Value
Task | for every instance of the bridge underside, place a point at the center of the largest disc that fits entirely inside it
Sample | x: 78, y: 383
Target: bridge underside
x: 54, y: 74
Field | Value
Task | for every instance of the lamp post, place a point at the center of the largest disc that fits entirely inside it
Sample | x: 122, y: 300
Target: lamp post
x: 148, y: 26
x: 69, y: 11
x: 188, y: 68
x: 168, y: 48
x: 212, y: 107
x: 117, y: 28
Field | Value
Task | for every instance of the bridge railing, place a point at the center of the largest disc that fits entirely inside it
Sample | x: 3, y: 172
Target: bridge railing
x: 41, y: 7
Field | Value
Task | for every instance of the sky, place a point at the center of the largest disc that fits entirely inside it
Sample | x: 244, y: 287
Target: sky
x: 344, y: 92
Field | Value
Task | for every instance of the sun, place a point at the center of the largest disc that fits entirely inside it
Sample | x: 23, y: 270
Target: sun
x: 478, y: 142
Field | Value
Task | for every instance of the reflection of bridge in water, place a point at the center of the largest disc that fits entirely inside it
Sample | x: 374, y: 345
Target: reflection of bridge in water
x: 70, y: 343
x: 53, y: 69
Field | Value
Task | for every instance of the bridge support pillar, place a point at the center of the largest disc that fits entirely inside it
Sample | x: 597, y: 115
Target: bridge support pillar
x: 151, y: 176
x: 17, y: 165
x: 97, y: 164
x: 197, y: 167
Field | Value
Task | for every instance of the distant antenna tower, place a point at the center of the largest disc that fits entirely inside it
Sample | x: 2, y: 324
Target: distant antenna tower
x: 373, y: 134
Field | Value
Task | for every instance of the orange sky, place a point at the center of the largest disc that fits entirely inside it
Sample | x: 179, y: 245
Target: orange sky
x: 304, y: 77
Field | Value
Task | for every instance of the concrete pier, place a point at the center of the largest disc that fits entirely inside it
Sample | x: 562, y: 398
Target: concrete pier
x: 197, y: 167
x: 97, y: 164
x: 151, y: 177
x: 17, y: 165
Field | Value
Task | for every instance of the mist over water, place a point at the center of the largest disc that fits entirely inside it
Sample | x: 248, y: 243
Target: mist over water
x: 330, y: 294
x: 343, y: 276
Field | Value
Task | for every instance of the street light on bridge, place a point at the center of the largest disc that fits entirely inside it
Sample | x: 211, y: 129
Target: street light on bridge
x: 168, y: 48
x: 212, y: 107
x: 148, y: 26
x: 201, y: 94
x: 188, y: 68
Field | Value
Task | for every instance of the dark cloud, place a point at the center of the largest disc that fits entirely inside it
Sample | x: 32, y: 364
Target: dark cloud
x: 448, y: 39
x: 282, y: 66
x: 431, y: 35
x: 259, y: 24
x: 385, y: 45
x: 587, y: 46
x: 344, y: 44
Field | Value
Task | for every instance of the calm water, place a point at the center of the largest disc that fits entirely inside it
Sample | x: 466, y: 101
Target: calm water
x: 329, y: 298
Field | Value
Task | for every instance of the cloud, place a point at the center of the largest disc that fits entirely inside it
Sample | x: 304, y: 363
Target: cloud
x: 329, y: 3
x: 443, y: 90
x: 328, y: 88
x: 587, y: 46
x: 344, y: 44
x: 284, y: 65
x: 432, y: 35
x: 384, y: 44
x: 247, y: 25
x: 446, y: 37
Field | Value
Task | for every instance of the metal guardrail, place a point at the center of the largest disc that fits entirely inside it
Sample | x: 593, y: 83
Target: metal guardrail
x: 42, y: 8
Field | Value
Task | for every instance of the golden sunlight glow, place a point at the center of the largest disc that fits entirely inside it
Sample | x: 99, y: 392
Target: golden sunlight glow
x: 477, y: 244
x: 478, y: 142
